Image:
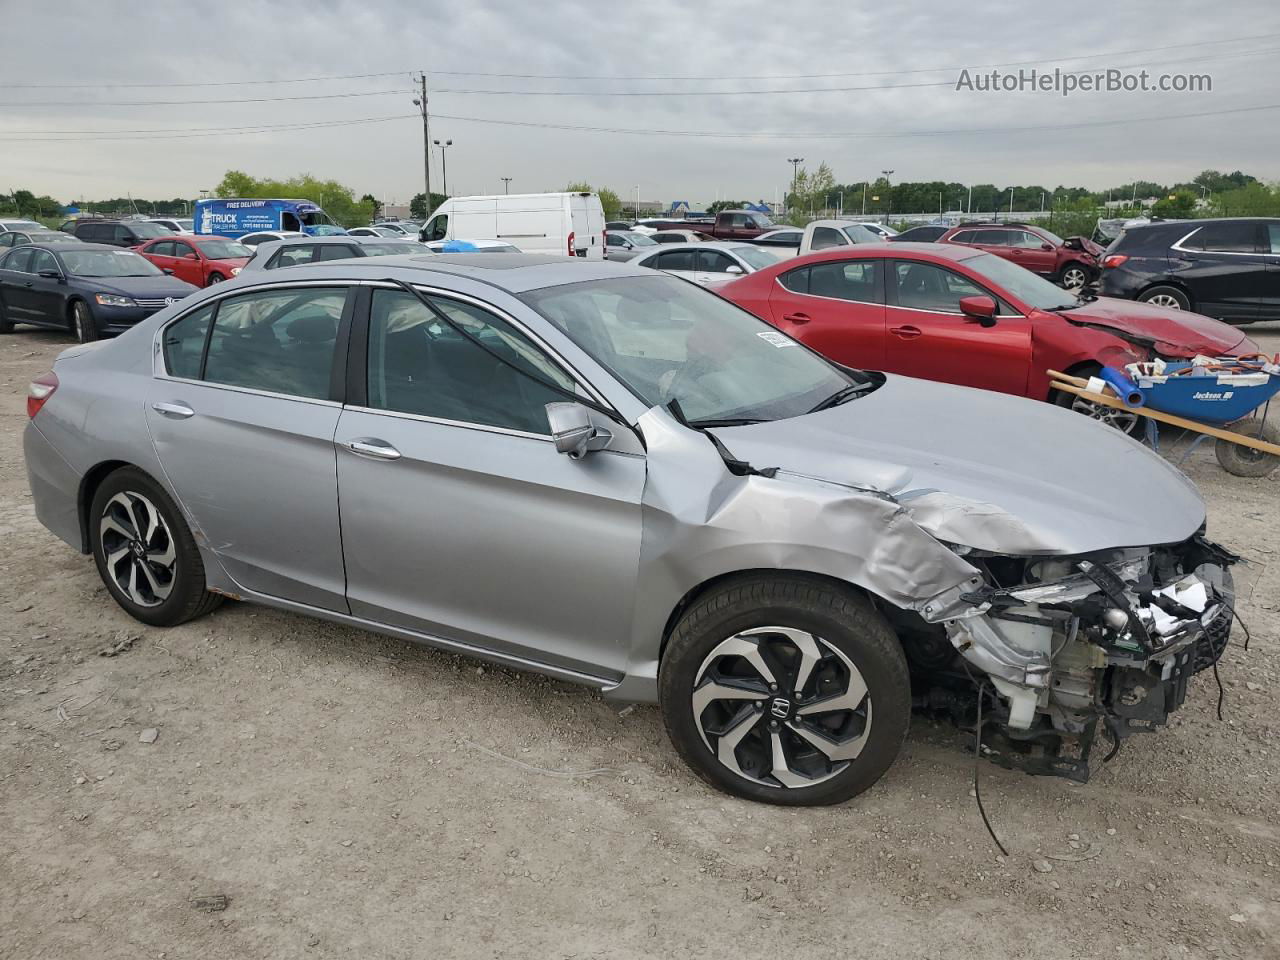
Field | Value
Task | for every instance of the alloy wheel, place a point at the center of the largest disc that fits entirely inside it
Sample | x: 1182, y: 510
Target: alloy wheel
x: 1073, y: 278
x: 139, y: 549
x: 1165, y: 300
x: 1122, y: 420
x: 781, y: 707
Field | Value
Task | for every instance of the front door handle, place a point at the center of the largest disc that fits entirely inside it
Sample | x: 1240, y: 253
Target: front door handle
x: 906, y: 333
x: 177, y: 411
x: 373, y: 448
x: 796, y: 317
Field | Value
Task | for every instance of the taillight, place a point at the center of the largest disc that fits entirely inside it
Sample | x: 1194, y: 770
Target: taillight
x: 1113, y: 261
x: 572, y: 251
x: 39, y: 392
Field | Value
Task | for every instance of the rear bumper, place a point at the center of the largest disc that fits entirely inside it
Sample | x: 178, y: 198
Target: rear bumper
x: 55, y: 487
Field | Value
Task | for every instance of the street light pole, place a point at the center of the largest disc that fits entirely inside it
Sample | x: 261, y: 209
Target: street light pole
x: 444, y: 162
x: 506, y: 184
x: 637, y: 201
x: 888, y: 194
x: 795, y: 174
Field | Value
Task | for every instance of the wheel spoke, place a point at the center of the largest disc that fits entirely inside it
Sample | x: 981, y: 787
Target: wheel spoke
x: 748, y: 650
x: 781, y: 769
x: 713, y: 690
x: 132, y: 586
x: 115, y: 556
x: 850, y: 699
x: 163, y: 558
x: 835, y: 750
x: 112, y: 524
x: 158, y: 590
x: 728, y: 744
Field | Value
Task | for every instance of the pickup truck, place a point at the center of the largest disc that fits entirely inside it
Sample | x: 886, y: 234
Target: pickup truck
x: 819, y: 235
x: 728, y: 225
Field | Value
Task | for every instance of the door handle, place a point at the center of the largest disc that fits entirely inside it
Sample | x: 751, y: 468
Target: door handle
x: 29, y: 283
x: 906, y: 333
x: 797, y: 318
x: 177, y: 411
x: 373, y: 448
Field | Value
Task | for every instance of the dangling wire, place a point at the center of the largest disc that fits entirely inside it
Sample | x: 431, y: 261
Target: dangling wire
x: 1222, y: 693
x: 977, y: 760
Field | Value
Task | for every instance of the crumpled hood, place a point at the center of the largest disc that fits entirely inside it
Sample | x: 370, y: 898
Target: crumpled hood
x: 984, y: 469
x: 1177, y: 332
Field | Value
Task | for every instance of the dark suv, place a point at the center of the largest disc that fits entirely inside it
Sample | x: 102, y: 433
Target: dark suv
x: 1228, y: 269
x: 119, y: 233
x: 1070, y: 263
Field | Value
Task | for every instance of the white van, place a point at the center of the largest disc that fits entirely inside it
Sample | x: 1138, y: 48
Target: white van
x: 571, y: 224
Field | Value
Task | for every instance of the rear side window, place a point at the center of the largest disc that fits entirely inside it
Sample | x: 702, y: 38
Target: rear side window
x: 336, y: 251
x: 853, y: 280
x: 1273, y: 237
x: 162, y: 249
x: 281, y: 341
x: 292, y: 256
x: 797, y: 281
x: 423, y: 366
x: 674, y: 260
x: 19, y: 260
x: 825, y: 237
x: 992, y: 238
x: 1224, y: 238
x: 184, y: 344
x: 94, y: 232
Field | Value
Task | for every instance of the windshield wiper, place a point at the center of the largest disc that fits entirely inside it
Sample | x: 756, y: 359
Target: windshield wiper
x: 840, y: 396
x: 726, y: 422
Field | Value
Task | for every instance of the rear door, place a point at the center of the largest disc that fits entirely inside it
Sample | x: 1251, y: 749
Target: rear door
x: 242, y: 417
x: 835, y: 307
x: 588, y: 225
x: 17, y: 287
x: 1223, y: 265
x: 929, y: 337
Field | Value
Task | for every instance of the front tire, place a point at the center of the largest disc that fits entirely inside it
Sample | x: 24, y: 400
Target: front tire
x: 785, y: 689
x: 1126, y: 422
x: 145, y: 553
x: 1073, y: 277
x: 215, y: 278
x: 1170, y: 297
x: 83, y: 327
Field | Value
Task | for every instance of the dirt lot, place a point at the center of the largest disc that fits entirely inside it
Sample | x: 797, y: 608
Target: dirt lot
x: 359, y: 797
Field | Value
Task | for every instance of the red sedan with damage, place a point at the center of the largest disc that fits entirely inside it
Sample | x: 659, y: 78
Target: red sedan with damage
x: 959, y: 315
x: 203, y: 261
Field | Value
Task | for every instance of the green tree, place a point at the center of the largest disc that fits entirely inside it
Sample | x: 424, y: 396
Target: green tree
x: 1251, y: 200
x: 338, y: 200
x: 418, y: 209
x: 1178, y: 205
x: 609, y: 200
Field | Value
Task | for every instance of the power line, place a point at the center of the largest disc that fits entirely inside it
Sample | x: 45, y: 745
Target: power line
x: 574, y: 76
x: 93, y: 136
x: 176, y: 103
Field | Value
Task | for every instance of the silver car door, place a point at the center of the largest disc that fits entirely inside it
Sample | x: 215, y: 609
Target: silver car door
x: 459, y: 518
x: 242, y: 415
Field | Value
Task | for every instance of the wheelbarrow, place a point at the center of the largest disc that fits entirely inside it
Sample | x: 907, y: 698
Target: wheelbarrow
x: 1226, y: 400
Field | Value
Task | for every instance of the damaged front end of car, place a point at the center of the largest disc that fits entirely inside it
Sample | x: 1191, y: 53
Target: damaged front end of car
x: 1074, y: 646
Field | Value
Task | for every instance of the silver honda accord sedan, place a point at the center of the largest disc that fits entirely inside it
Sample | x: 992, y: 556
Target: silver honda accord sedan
x: 613, y: 477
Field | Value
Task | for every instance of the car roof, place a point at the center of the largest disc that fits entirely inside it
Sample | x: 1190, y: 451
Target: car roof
x: 901, y: 250
x: 513, y: 272
x: 69, y: 247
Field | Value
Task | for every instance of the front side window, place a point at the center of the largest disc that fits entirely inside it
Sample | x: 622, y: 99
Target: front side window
x: 149, y: 231
x: 42, y: 261
x: 754, y: 257
x: 438, y: 227
x: 713, y: 261
x: 923, y: 286
x: 1273, y: 237
x: 279, y: 341
x: 825, y: 237
x: 1024, y: 240
x: 219, y: 249
x: 666, y: 340
x: 421, y: 365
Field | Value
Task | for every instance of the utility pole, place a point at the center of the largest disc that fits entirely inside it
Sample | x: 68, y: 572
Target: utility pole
x: 444, y: 162
x: 888, y: 194
x: 795, y: 173
x: 637, y: 201
x: 506, y: 184
x: 421, y: 103
x: 864, y: 198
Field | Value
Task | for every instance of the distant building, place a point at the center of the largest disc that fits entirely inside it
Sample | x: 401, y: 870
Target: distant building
x: 400, y: 210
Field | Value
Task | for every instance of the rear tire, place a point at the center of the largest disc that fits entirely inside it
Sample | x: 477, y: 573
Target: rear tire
x: 821, y: 644
x: 83, y: 327
x: 145, y: 553
x: 6, y: 325
x: 1245, y: 461
x: 1170, y: 297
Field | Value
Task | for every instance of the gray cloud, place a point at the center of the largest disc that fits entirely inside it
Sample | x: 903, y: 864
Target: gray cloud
x: 96, y: 43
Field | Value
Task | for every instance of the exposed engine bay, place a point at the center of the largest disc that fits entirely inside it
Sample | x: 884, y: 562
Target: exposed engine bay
x: 1073, y: 646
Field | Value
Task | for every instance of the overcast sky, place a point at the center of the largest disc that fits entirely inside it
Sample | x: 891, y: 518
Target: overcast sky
x: 753, y: 43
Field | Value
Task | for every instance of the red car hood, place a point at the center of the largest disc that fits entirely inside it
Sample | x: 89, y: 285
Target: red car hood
x: 1173, y: 332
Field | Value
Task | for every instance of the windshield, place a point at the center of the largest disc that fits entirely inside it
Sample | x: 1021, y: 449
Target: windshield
x: 666, y: 339
x: 326, y: 230
x: 224, y: 249
x: 108, y: 263
x: 389, y: 249
x: 186, y: 225
x: 756, y: 258
x: 16, y: 225
x: 149, y: 231
x: 640, y: 239
x: 1052, y: 237
x: 1020, y: 283
x: 857, y: 233
x: 52, y: 236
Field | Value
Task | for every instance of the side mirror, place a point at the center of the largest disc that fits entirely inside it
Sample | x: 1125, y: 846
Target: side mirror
x: 166, y: 270
x: 50, y: 274
x: 572, y: 430
x: 733, y: 268
x: 979, y: 309
x: 1046, y: 246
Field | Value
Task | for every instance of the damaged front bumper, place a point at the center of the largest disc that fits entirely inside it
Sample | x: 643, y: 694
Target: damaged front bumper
x: 1107, y: 639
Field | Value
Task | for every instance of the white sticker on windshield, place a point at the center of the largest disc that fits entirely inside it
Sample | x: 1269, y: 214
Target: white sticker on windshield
x: 777, y: 339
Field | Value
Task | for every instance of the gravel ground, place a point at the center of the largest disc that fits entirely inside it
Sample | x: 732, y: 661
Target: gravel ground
x: 354, y: 796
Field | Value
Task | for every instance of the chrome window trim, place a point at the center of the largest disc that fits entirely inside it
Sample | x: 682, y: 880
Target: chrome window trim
x: 1178, y: 245
x: 956, y: 313
x: 444, y: 422
x: 248, y: 390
